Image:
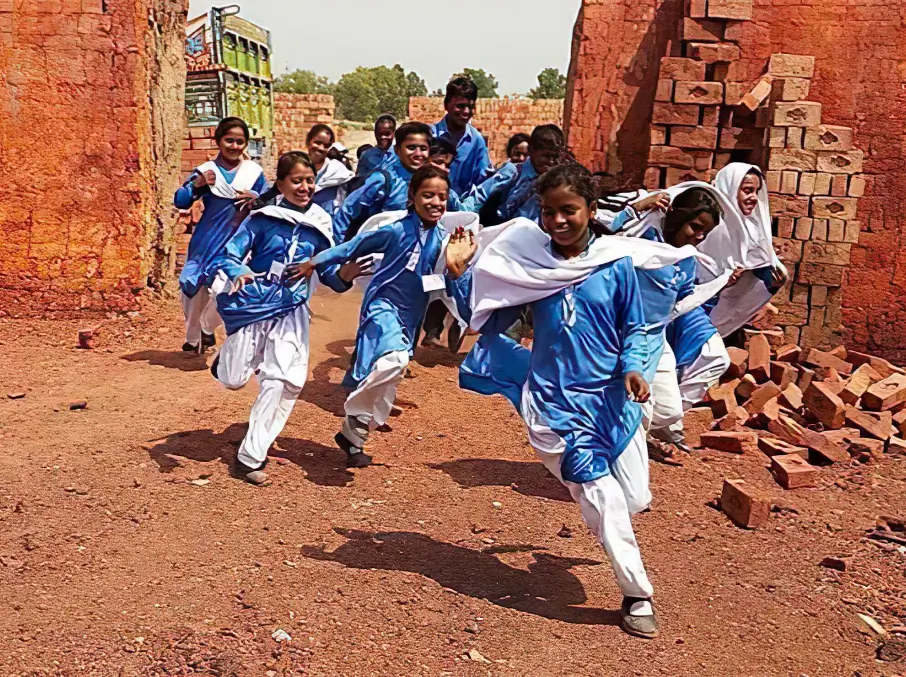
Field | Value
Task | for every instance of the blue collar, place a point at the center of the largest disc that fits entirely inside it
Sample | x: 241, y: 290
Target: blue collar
x: 441, y: 129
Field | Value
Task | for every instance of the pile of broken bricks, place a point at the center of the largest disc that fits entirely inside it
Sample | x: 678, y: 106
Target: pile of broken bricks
x: 801, y: 408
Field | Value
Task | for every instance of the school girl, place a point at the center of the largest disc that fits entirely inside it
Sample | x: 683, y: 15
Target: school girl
x: 374, y: 157
x: 393, y: 307
x: 224, y: 185
x: 583, y: 383
x: 330, y: 174
x: 265, y: 308
x: 517, y: 148
x: 744, y: 241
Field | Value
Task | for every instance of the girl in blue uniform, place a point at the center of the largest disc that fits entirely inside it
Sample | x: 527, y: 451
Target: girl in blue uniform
x: 330, y: 174
x: 223, y: 185
x: 265, y: 308
x: 393, y: 307
x: 583, y: 381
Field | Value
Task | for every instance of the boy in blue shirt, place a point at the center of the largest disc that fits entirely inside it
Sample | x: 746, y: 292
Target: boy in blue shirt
x: 473, y: 163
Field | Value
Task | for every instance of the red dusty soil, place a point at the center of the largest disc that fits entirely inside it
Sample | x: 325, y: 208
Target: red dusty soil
x: 113, y: 563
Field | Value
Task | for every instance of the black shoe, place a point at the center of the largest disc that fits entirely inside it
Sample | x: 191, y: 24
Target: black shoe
x: 455, y: 337
x: 637, y: 626
x: 258, y: 477
x: 431, y: 342
x: 189, y: 348
x: 355, y: 457
x: 214, y: 366
x: 208, y: 340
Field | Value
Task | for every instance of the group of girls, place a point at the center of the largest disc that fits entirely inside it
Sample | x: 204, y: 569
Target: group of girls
x: 618, y: 299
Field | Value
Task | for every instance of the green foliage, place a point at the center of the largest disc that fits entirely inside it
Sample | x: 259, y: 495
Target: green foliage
x: 303, y: 82
x: 487, y: 84
x: 366, y: 93
x: 551, y: 85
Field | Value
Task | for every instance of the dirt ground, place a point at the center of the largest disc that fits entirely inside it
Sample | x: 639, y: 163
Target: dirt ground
x: 127, y: 549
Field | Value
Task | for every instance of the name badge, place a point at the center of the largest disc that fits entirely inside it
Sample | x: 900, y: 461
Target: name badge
x: 433, y: 283
x: 275, y: 274
x: 413, y: 260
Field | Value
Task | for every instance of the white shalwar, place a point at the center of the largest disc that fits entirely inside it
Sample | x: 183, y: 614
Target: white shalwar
x: 608, y: 502
x: 201, y: 315
x: 698, y: 377
x: 278, y: 350
x: 665, y: 407
x: 368, y: 406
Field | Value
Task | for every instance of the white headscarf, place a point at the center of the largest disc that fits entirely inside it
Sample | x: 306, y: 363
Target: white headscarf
x: 247, y: 174
x: 333, y: 173
x: 749, y: 238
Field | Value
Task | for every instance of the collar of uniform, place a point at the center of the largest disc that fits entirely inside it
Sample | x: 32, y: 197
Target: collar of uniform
x: 442, y: 128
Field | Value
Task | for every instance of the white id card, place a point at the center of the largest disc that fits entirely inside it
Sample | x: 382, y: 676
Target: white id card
x: 275, y: 274
x: 433, y: 283
x: 413, y: 259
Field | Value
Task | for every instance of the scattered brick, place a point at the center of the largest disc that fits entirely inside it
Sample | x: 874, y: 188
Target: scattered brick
x: 858, y: 383
x: 762, y: 395
x: 722, y: 398
x: 866, y: 449
x: 730, y: 442
x: 899, y: 422
x: 791, y: 397
x: 794, y: 472
x: 836, y: 563
x: 822, y: 448
x: 806, y: 376
x: 86, y: 339
x: 879, y: 364
x: 818, y: 358
x: 825, y: 405
x: 879, y: 426
x: 743, y: 505
x: 886, y: 394
x: 775, y: 337
x: 788, y: 353
x: 747, y: 387
x: 760, y: 358
x: 696, y: 421
x: 758, y: 94
x: 772, y: 447
x: 735, y: 419
x: 783, y: 374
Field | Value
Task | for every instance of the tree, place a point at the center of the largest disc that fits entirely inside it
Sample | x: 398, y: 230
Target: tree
x: 368, y: 92
x: 303, y: 82
x: 487, y: 84
x: 551, y: 85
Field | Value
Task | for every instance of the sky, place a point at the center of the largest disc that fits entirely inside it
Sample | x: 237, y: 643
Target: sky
x: 513, y: 39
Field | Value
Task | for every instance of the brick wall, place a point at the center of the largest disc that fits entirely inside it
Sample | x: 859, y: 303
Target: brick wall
x: 498, y: 119
x: 296, y: 114
x: 848, y: 283
x: 88, y: 157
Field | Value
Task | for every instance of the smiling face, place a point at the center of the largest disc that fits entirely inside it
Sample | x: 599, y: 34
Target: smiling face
x: 232, y: 145
x: 430, y: 200
x: 460, y: 111
x: 413, y: 151
x: 695, y: 231
x: 383, y: 134
x: 747, y: 197
x: 298, y: 186
x: 520, y: 153
x: 442, y: 161
x: 318, y: 147
x: 565, y: 216
x: 543, y: 159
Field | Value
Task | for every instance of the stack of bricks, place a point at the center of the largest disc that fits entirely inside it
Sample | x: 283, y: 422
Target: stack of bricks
x: 296, y: 114
x: 704, y: 117
x: 198, y: 146
x: 496, y: 119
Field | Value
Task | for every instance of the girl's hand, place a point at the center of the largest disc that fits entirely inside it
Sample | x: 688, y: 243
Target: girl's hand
x: 654, y: 201
x: 460, y: 250
x: 353, y: 269
x: 734, y: 278
x: 636, y: 387
x: 778, y: 277
x: 298, y: 271
x: 241, y: 281
x: 208, y: 178
x: 244, y: 199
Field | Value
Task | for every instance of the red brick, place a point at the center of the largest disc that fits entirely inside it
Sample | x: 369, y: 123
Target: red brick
x: 822, y: 448
x: 834, y: 207
x: 879, y: 364
x: 791, y: 66
x: 703, y: 30
x: 713, y: 52
x: 761, y: 397
x: 825, y: 405
x: 829, y: 137
x: 857, y: 186
x: 790, y: 89
x: 664, y: 91
x: 757, y: 95
x: 794, y: 472
x: 668, y: 156
x: 789, y: 182
x: 830, y: 253
x: 676, y: 175
x: 791, y: 158
x: 858, y: 383
x: 789, y: 205
x: 735, y: 419
x: 730, y: 9
x: 698, y: 8
x: 737, y: 138
x: 796, y: 114
x: 886, y: 394
x: 693, y: 137
x: 879, y: 426
x: 788, y: 353
x: 675, y: 68
x: 899, y: 422
x: 760, y: 358
x: 783, y: 374
x: 840, y: 162
x: 839, y: 185
x: 698, y: 93
x: 739, y: 362
x: 743, y: 505
x: 820, y: 273
x: 807, y: 182
x: 819, y: 358
x: 658, y: 135
x: 674, y: 114
x: 773, y: 447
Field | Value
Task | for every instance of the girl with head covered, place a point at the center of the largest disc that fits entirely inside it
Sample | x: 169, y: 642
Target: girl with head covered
x: 224, y: 185
x: 330, y: 173
x: 744, y: 242
x: 581, y: 386
x: 264, y: 307
x: 394, y: 303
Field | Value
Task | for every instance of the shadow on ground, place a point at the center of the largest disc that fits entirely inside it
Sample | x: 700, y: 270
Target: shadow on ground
x: 548, y: 589
x: 323, y: 465
x: 169, y: 359
x: 526, y: 477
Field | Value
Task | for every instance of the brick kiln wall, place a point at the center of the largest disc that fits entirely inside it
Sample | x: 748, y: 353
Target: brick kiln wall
x: 296, y: 114
x: 88, y: 157
x: 498, y: 119
x: 856, y: 81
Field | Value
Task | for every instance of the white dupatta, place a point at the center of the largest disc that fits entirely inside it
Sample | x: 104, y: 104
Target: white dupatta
x: 246, y: 175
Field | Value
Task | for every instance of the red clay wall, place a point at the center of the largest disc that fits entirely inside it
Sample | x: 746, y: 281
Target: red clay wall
x: 86, y: 157
x: 296, y: 114
x: 860, y: 50
x: 498, y: 119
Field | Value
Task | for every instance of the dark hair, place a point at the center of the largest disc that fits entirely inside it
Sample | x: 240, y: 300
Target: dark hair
x: 547, y: 137
x: 361, y: 150
x: 688, y: 205
x: 386, y: 117
x: 317, y: 129
x: 285, y: 165
x: 461, y: 86
x: 442, y: 147
x: 576, y: 179
x: 756, y: 173
x: 227, y: 124
x: 426, y: 173
x: 514, y: 141
x: 411, y: 129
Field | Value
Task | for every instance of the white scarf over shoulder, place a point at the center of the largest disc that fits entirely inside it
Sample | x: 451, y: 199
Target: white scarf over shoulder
x: 313, y: 217
x: 246, y: 175
x: 333, y: 173
x: 514, y: 265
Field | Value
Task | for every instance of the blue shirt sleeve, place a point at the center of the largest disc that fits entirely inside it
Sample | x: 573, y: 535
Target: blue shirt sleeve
x: 187, y: 194
x: 687, y: 286
x: 483, y: 166
x: 329, y: 274
x: 361, y: 245
x: 260, y: 184
x: 237, y: 247
x: 624, y: 217
x: 502, y: 180
x: 366, y: 201
x: 628, y: 299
